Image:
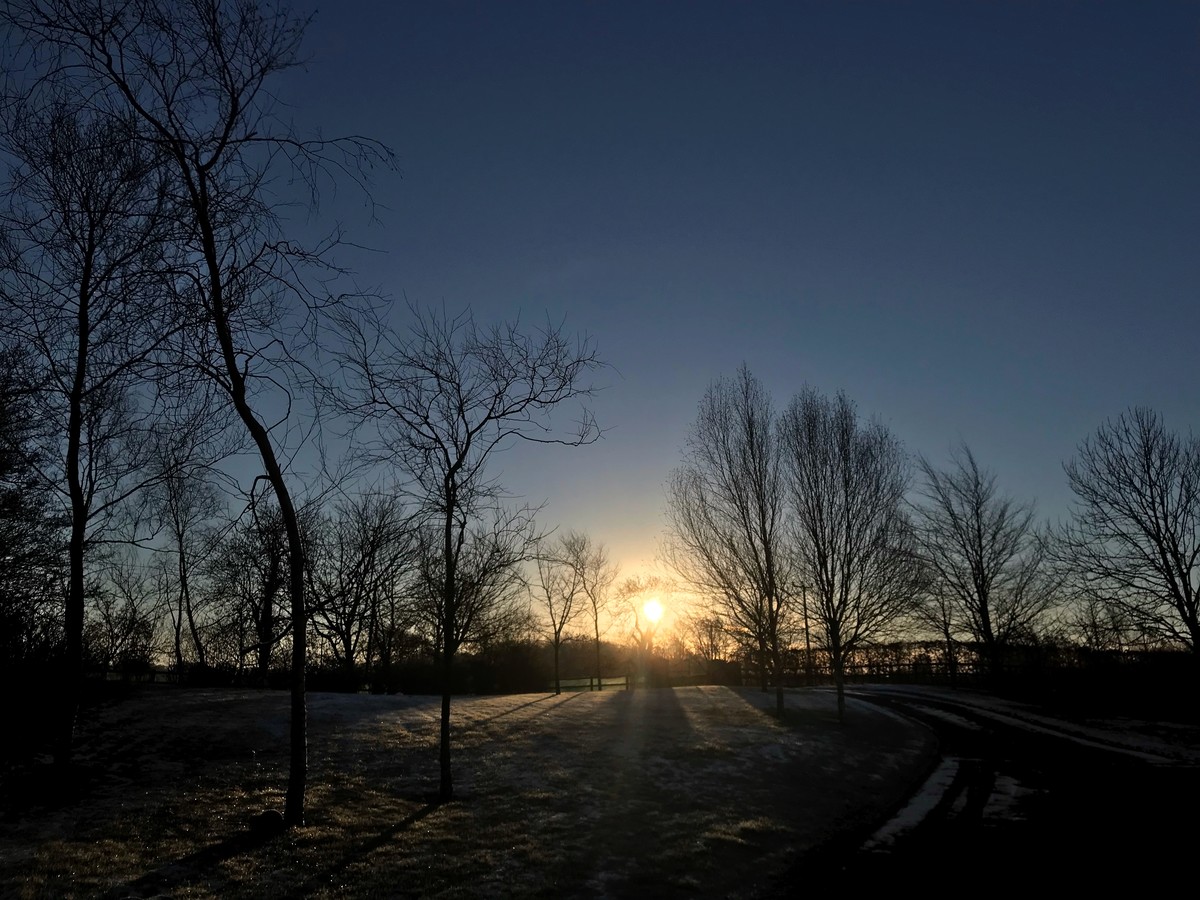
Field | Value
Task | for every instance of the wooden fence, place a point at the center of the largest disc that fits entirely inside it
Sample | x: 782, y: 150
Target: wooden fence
x: 609, y: 682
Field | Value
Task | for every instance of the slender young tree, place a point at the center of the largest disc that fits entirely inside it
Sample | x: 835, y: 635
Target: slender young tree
x: 557, y: 590
x: 856, y: 547
x: 726, y: 519
x: 597, y: 574
x: 987, y: 564
x: 441, y: 403
x: 184, y: 502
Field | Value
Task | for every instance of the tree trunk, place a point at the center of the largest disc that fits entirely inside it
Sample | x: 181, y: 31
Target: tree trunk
x: 73, y: 667
x: 369, y: 658
x: 446, y: 784
x: 236, y: 386
x: 350, y: 666
x: 557, y: 685
x: 839, y: 678
x: 599, y: 675
x: 298, y: 757
x: 177, y: 625
x: 995, y: 663
x: 449, y: 632
x: 265, y: 629
x: 185, y: 595
x: 808, y: 663
x: 951, y: 660
x: 74, y: 611
x: 764, y: 678
x: 777, y: 662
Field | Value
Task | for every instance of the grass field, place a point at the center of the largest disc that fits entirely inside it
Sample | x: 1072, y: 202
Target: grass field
x: 683, y: 792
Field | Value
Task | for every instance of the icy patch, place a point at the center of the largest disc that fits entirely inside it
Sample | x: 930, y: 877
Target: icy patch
x: 1005, y: 800
x: 943, y: 715
x: 918, y: 807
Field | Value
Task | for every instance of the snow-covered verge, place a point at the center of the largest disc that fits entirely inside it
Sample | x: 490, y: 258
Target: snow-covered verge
x: 1152, y: 740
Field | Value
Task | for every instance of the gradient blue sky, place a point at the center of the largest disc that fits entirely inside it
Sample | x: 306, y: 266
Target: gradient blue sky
x: 980, y: 220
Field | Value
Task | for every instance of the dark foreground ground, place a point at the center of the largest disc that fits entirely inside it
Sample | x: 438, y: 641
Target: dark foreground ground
x: 1041, y: 798
x: 684, y: 792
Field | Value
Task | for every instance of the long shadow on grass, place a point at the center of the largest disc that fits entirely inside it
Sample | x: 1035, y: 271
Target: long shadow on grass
x: 197, y: 867
x: 509, y: 712
x: 327, y: 875
x: 193, y: 867
x: 633, y: 845
x: 804, y: 707
x: 649, y: 714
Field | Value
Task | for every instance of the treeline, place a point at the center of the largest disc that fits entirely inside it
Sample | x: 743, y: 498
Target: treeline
x: 811, y: 530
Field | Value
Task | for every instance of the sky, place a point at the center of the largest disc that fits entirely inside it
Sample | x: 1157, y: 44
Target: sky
x: 978, y: 220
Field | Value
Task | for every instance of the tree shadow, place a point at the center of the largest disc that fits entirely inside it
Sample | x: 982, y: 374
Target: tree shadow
x: 515, y: 709
x: 188, y: 871
x: 645, y: 714
x: 365, y: 848
x: 814, y: 709
x: 193, y: 867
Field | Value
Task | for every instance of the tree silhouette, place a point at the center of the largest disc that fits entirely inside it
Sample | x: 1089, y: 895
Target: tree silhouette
x: 31, y: 577
x: 192, y: 77
x: 726, y: 519
x: 362, y: 552
x: 441, y: 402
x: 1134, y: 540
x: 855, y: 545
x: 597, y: 573
x: 81, y: 289
x: 557, y: 589
x: 987, y: 564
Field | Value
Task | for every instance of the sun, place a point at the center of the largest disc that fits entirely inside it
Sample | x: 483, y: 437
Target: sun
x: 653, y: 610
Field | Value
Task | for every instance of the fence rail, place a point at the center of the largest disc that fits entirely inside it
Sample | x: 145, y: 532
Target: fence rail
x: 609, y: 682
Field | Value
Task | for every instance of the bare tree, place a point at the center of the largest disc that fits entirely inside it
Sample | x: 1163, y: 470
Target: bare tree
x: 490, y: 602
x: 249, y: 571
x: 1101, y: 626
x: 597, y: 574
x: 85, y: 228
x: 706, y: 636
x: 442, y: 403
x: 987, y: 564
x: 31, y: 564
x: 360, y: 554
x: 938, y: 613
x: 855, y: 545
x: 557, y: 590
x: 121, y: 631
x: 1134, y: 541
x: 183, y: 502
x: 726, y: 518
x: 193, y: 76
